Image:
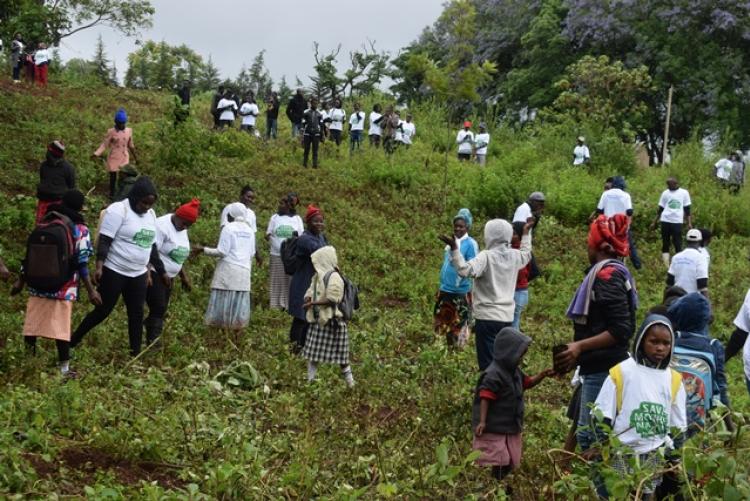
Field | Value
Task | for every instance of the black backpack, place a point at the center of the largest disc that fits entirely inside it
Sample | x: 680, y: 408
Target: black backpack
x: 350, y: 301
x: 289, y: 255
x: 50, y: 253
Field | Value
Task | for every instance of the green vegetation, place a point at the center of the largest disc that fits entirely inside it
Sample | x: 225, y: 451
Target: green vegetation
x: 216, y: 416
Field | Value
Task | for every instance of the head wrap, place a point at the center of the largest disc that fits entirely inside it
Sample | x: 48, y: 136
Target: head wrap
x: 121, y: 116
x: 619, y: 183
x: 610, y: 232
x: 237, y: 210
x: 537, y: 196
x: 312, y: 211
x: 57, y: 148
x: 467, y: 123
x: 189, y: 211
x: 464, y: 214
x: 142, y: 188
x: 582, y: 139
x: 483, y: 125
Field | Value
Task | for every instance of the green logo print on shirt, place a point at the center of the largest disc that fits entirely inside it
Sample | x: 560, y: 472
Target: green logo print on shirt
x: 674, y: 204
x: 285, y: 231
x: 649, y: 420
x: 179, y: 254
x: 144, y: 238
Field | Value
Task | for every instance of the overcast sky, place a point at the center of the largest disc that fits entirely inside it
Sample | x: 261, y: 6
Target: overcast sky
x: 234, y: 31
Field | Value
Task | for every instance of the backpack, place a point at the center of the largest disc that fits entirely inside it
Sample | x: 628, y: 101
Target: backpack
x: 289, y: 255
x: 50, y: 253
x: 697, y: 369
x: 350, y: 301
x: 616, y: 374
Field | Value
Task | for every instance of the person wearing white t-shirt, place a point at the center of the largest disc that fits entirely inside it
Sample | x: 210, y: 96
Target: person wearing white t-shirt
x: 125, y: 249
x: 247, y: 198
x: 229, y: 305
x: 283, y: 225
x: 336, y: 117
x: 375, y: 130
x: 226, y: 108
x: 174, y: 249
x: 408, y: 131
x: 532, y: 208
x: 398, y: 132
x: 481, y: 142
x: 616, y: 200
x: 249, y: 112
x: 642, y: 399
x: 356, y: 128
x: 465, y: 141
x: 581, y: 154
x: 674, y: 209
x: 689, y: 268
x: 41, y: 65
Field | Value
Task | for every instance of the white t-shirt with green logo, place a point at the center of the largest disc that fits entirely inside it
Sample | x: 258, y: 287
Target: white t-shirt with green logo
x: 282, y: 227
x: 647, y: 411
x: 173, y: 245
x: 674, y: 203
x: 132, y: 237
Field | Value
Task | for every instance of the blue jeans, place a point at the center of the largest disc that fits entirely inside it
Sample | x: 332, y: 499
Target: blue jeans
x: 485, y: 332
x: 521, y: 297
x: 271, y: 127
x: 634, y: 258
x: 296, y: 130
x: 590, y: 387
x: 355, y: 139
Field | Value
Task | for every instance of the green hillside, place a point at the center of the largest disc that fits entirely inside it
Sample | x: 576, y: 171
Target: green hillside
x: 163, y: 427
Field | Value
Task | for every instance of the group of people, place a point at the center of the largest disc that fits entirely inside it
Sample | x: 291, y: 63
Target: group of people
x: 626, y: 375
x: 730, y: 171
x: 227, y: 106
x: 472, y: 145
x: 29, y: 59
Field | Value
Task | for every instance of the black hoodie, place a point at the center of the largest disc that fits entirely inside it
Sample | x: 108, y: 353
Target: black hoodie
x: 504, y: 378
x: 296, y: 108
x: 56, y: 176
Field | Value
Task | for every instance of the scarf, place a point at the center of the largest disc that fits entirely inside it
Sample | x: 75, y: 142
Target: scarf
x: 578, y: 310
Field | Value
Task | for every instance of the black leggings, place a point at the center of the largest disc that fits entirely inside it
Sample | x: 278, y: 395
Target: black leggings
x: 157, y: 299
x: 298, y: 332
x: 673, y: 232
x: 335, y: 135
x: 111, y: 286
x: 63, y: 347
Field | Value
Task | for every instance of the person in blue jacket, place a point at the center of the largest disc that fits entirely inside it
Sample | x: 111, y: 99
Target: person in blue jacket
x: 453, y: 305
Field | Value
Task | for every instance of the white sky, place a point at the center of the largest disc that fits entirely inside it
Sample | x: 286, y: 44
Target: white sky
x: 234, y: 31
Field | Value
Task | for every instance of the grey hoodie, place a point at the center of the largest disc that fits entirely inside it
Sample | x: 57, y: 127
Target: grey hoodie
x: 495, y: 271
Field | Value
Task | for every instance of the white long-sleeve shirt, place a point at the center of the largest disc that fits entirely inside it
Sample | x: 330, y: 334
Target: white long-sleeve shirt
x: 465, y: 140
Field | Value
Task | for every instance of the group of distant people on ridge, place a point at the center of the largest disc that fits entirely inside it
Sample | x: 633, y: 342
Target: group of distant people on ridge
x: 31, y: 62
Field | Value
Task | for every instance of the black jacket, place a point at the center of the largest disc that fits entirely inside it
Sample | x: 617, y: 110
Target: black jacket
x: 296, y: 109
x: 611, y: 310
x: 56, y: 176
x: 312, y: 122
x: 272, y: 108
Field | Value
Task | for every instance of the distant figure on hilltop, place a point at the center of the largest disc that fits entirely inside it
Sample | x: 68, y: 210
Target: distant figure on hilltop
x: 312, y: 124
x: 481, y: 142
x: 184, y: 93
x: 465, y: 141
x: 226, y: 108
x: 581, y: 154
x: 674, y: 208
x: 41, y: 65
x: 375, y: 129
x: 336, y: 115
x: 119, y: 142
x: 272, y: 115
x: 408, y: 130
x: 218, y: 95
x: 356, y: 128
x: 249, y: 112
x: 295, y: 111
x: 56, y: 177
x: 16, y: 57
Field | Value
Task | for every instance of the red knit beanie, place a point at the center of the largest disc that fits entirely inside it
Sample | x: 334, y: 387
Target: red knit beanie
x: 57, y: 148
x: 312, y: 211
x: 189, y: 211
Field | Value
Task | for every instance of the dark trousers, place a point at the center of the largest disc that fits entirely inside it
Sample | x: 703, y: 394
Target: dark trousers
x: 671, y: 232
x: 111, y: 286
x: 336, y: 136
x: 272, y: 125
x: 308, y: 141
x: 63, y: 347
x: 634, y: 258
x: 157, y: 299
x: 485, y: 332
x: 298, y: 332
x: 374, y: 140
x: 17, y: 72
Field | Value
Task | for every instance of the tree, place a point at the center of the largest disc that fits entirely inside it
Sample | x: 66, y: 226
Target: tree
x: 160, y: 65
x: 52, y: 20
x: 326, y: 83
x: 285, y: 92
x: 210, y: 77
x: 100, y: 64
x: 607, y: 93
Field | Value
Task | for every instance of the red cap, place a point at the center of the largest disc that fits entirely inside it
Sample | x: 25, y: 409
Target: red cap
x: 312, y: 211
x: 57, y: 148
x: 189, y: 211
x: 467, y: 124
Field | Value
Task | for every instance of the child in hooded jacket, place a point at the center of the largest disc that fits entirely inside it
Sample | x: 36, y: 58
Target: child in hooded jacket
x: 327, y: 336
x: 642, y: 398
x: 497, y: 414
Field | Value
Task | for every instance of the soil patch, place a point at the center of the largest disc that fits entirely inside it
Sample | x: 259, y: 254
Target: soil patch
x: 86, y: 461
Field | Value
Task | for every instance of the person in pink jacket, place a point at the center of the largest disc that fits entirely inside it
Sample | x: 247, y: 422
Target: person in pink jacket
x: 119, y: 141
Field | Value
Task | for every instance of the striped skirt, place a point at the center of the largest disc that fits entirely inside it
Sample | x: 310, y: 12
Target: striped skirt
x: 279, y: 284
x: 228, y: 309
x: 328, y: 343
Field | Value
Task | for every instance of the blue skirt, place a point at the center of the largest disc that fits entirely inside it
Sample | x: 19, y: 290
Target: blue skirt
x: 228, y: 309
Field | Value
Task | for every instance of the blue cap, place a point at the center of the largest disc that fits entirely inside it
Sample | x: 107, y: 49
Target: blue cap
x: 121, y: 116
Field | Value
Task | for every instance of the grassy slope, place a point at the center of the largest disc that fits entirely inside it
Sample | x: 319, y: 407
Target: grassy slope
x: 163, y: 418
